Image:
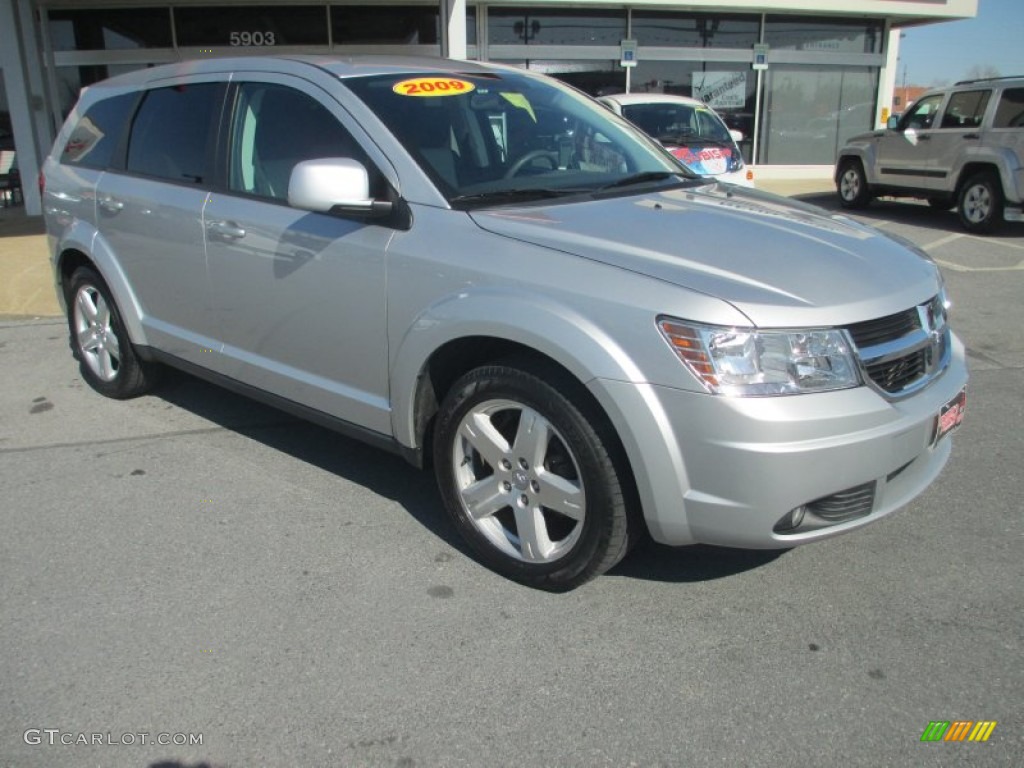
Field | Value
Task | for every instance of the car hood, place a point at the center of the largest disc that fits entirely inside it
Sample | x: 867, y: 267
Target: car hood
x: 780, y: 262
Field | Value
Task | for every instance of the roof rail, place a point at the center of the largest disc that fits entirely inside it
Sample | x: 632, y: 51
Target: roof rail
x: 989, y: 79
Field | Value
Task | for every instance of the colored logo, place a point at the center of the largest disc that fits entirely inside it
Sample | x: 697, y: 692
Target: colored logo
x: 958, y: 730
x: 432, y: 86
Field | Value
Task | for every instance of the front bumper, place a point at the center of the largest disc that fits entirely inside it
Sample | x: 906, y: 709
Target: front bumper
x: 723, y: 470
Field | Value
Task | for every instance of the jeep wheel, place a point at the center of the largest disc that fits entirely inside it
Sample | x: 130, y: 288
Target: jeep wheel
x: 853, y: 185
x: 981, y: 203
x: 528, y: 479
x: 106, y: 358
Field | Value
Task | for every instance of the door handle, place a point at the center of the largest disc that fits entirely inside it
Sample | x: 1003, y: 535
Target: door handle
x: 226, y: 229
x: 972, y: 136
x: 111, y: 205
x: 924, y: 137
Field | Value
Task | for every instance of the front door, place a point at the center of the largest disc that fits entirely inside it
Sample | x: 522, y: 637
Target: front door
x: 300, y: 296
x: 904, y: 155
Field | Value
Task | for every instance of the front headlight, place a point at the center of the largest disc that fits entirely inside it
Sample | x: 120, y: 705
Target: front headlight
x: 750, y: 363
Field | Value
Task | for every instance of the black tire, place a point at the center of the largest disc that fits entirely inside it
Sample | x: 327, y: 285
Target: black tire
x: 943, y: 203
x: 99, y: 341
x: 980, y: 204
x: 852, y: 185
x: 563, y: 455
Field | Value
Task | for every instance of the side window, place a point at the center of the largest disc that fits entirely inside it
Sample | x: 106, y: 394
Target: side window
x: 274, y: 128
x: 1010, y: 112
x: 965, y: 109
x: 95, y: 137
x: 922, y: 114
x: 170, y: 132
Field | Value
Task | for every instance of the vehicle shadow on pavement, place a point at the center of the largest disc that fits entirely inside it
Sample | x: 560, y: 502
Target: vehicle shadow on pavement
x: 393, y: 478
x: 650, y: 561
x: 385, y: 474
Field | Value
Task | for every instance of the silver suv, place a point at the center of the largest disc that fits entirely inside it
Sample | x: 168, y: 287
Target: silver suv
x: 961, y: 146
x: 484, y: 270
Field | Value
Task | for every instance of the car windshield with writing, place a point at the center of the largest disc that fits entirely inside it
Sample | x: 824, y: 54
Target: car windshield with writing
x: 509, y: 137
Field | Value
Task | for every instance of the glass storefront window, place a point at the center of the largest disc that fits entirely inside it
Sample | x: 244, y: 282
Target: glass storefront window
x: 809, y: 113
x: 113, y: 29
x: 808, y: 33
x: 695, y: 30
x: 562, y: 26
x: 253, y: 26
x: 595, y: 78
x: 728, y: 88
x: 386, y: 24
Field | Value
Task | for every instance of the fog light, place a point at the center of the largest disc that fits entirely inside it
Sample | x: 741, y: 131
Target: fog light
x: 791, y: 521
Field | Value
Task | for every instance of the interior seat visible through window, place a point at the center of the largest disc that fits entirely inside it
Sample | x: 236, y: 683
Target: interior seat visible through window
x: 275, y: 128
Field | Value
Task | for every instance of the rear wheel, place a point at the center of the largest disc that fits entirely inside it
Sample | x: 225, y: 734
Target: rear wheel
x: 107, y: 360
x: 981, y: 203
x: 852, y: 185
x: 529, y: 480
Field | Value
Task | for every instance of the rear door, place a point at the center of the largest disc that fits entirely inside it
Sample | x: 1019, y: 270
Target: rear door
x: 959, y: 130
x: 300, y: 296
x: 149, y: 213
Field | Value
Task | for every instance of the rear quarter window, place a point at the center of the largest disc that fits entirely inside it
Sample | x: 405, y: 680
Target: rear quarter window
x: 97, y: 134
x: 170, y: 132
x: 1010, y: 112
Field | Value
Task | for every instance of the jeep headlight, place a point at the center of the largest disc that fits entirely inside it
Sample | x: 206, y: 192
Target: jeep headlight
x: 746, y: 362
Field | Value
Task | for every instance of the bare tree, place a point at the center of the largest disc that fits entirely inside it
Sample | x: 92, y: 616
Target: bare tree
x: 981, y: 72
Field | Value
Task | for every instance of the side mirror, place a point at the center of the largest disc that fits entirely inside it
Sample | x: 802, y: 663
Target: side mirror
x: 736, y: 135
x: 334, y: 185
x: 892, y: 122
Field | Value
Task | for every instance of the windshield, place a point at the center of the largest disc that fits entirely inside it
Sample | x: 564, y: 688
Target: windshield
x: 506, y: 134
x: 678, y: 123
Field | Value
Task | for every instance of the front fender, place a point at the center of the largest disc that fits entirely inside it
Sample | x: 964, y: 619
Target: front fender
x: 515, y: 315
x: 863, y: 152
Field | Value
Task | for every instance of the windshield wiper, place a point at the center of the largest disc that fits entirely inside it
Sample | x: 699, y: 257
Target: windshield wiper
x: 643, y: 178
x: 499, y: 196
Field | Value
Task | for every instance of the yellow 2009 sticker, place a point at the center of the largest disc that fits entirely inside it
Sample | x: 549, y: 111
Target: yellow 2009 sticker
x: 432, y: 86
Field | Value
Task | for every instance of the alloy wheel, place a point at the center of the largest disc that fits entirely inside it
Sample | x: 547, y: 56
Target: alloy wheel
x: 95, y: 335
x: 518, y: 481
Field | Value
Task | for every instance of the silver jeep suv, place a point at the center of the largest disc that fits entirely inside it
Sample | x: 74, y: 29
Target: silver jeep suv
x: 484, y: 270
x: 961, y: 146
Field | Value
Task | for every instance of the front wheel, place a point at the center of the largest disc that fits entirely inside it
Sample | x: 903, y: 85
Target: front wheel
x: 99, y: 341
x: 852, y: 185
x: 529, y: 480
x: 981, y: 203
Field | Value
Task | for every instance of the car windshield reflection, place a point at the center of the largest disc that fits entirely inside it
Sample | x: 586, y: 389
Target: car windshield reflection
x: 509, y: 137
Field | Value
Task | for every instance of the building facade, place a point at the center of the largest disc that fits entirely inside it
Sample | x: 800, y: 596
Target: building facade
x: 795, y: 77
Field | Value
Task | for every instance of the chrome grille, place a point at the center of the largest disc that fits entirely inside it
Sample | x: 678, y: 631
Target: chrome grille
x: 901, y: 353
x: 884, y: 329
x: 900, y: 373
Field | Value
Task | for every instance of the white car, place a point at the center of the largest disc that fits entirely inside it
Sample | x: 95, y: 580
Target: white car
x: 689, y: 129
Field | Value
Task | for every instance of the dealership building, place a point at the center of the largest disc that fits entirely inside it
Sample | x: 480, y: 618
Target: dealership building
x: 795, y: 77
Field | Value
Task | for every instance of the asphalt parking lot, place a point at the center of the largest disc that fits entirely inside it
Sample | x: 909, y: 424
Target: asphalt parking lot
x: 193, y: 564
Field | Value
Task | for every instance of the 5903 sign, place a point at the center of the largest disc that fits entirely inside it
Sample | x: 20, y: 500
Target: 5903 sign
x: 247, y: 39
